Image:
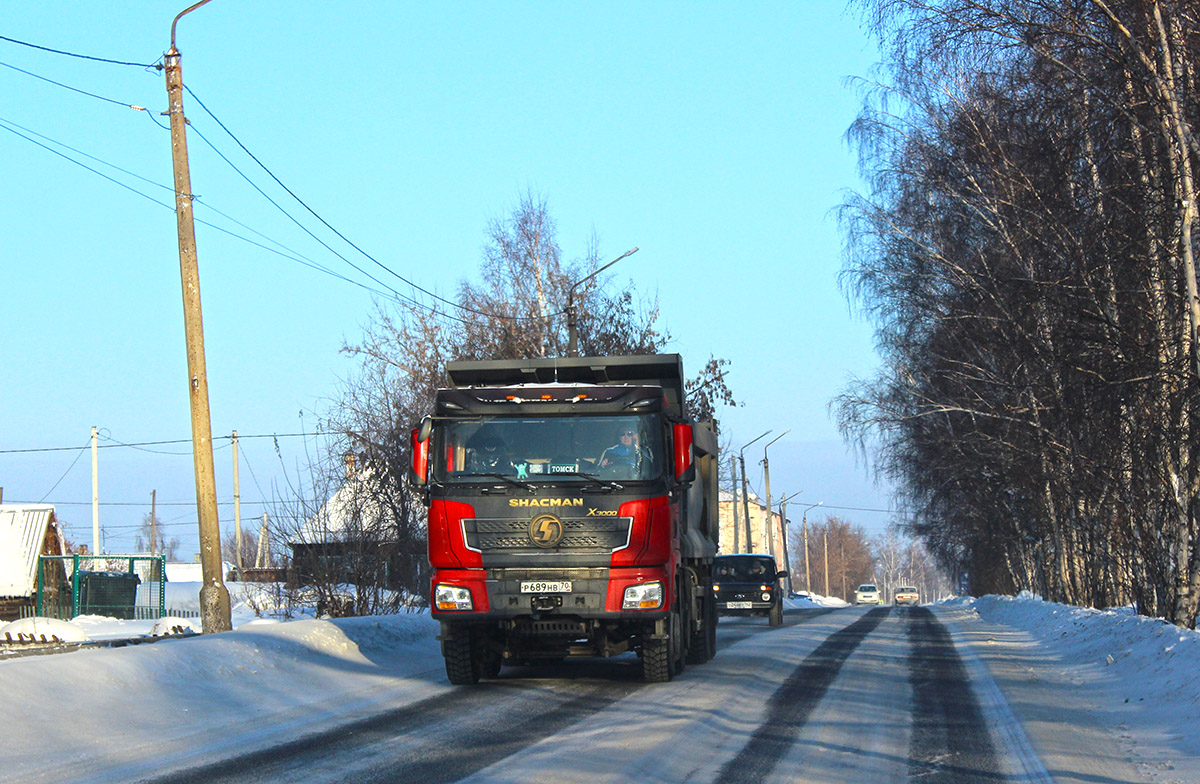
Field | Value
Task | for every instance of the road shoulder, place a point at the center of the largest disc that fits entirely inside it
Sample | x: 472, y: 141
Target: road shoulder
x: 1061, y: 714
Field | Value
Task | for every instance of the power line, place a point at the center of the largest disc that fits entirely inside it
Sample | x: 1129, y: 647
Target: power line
x: 75, y: 89
x: 295, y: 257
x: 80, y: 56
x: 346, y: 239
x: 119, y: 444
x: 82, y: 449
x: 306, y: 230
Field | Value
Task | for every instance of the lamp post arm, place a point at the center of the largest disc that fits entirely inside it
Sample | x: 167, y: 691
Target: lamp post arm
x: 572, y: 311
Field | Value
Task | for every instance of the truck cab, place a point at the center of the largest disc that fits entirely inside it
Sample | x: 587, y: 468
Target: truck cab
x: 570, y: 514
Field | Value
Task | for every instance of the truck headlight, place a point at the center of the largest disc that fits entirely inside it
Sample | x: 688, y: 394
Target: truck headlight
x: 766, y: 596
x: 648, y: 596
x: 452, y: 597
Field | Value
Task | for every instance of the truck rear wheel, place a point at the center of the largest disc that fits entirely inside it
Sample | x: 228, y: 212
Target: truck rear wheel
x: 703, y: 645
x: 464, y: 664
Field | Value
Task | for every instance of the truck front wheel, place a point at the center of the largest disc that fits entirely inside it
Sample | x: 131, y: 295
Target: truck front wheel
x: 464, y: 664
x: 662, y: 656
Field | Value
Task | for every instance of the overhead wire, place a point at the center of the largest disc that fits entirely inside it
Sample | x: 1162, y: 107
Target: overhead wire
x: 295, y: 256
x: 117, y: 444
x: 291, y: 255
x: 342, y: 236
x: 306, y: 230
x: 76, y: 89
x: 82, y: 449
x: 412, y: 301
x: 80, y: 56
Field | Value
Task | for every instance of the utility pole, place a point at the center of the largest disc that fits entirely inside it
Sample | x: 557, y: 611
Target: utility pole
x: 746, y: 492
x: 767, y: 481
x: 826, y: 560
x: 733, y: 476
x: 155, y: 567
x: 784, y: 532
x: 804, y: 526
x: 746, y: 508
x: 95, y: 498
x: 214, y: 597
x: 237, y: 509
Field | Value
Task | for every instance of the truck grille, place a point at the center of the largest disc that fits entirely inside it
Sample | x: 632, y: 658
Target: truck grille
x: 581, y: 535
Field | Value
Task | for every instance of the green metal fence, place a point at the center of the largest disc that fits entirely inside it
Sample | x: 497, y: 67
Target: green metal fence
x: 115, y: 586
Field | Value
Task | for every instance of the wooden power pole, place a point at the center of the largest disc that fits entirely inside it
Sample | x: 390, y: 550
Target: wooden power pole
x: 214, y: 597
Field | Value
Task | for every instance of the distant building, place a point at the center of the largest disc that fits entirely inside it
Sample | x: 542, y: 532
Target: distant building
x: 355, y: 536
x: 764, y: 531
x: 27, y: 531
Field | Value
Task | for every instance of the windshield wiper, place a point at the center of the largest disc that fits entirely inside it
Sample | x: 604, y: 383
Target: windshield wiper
x: 510, y: 480
x: 591, y: 477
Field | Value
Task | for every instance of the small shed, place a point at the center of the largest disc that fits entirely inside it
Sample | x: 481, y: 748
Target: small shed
x: 27, y: 531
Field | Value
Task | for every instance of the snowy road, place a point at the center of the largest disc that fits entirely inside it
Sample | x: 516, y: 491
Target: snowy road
x: 1033, y: 693
x: 851, y: 696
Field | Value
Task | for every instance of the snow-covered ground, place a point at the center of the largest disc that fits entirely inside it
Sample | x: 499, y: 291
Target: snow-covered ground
x: 126, y: 712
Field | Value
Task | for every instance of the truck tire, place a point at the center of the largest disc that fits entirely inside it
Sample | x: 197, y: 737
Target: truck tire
x: 702, y: 646
x: 775, y: 614
x: 679, y: 638
x: 463, y: 664
x: 662, y: 658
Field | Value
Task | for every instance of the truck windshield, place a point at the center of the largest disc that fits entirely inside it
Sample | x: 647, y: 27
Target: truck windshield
x: 619, y: 448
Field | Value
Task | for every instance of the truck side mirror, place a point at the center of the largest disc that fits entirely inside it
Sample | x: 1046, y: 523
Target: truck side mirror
x: 685, y: 467
x: 425, y: 428
x: 419, y: 474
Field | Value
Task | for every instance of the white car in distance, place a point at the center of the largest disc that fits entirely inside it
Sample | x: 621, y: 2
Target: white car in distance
x: 867, y: 593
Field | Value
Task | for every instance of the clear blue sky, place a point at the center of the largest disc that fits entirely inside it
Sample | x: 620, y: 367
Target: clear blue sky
x: 710, y: 135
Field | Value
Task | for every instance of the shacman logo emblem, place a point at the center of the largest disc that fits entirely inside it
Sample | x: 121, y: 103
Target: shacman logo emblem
x: 546, y: 530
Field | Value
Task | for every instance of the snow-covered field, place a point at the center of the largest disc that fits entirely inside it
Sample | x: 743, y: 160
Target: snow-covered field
x: 133, y: 711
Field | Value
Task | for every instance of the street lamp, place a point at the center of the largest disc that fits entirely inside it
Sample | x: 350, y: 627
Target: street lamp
x: 745, y: 491
x: 804, y: 528
x: 767, y: 481
x: 572, y: 311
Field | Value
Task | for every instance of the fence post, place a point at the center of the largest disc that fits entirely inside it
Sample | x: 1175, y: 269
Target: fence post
x: 75, y: 587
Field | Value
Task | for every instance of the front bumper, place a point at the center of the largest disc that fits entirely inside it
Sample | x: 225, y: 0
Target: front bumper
x: 596, y: 594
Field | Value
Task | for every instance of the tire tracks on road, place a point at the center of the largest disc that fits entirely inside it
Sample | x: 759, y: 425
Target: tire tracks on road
x: 792, y: 703
x: 437, y: 740
x: 950, y: 742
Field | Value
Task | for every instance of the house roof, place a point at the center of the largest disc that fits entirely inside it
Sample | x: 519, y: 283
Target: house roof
x: 22, y: 531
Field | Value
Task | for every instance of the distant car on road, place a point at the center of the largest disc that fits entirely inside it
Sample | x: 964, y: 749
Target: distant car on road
x: 867, y: 593
x: 749, y: 585
x: 906, y: 594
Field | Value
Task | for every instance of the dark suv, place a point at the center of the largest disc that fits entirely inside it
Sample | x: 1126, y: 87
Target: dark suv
x: 748, y: 585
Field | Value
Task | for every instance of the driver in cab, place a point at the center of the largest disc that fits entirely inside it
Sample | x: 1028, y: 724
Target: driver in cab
x: 489, y: 456
x: 625, y: 452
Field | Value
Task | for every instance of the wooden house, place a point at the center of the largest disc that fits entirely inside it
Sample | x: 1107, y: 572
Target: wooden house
x: 27, y: 531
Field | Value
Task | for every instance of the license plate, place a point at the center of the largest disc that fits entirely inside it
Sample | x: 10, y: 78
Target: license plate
x: 738, y: 605
x: 546, y: 586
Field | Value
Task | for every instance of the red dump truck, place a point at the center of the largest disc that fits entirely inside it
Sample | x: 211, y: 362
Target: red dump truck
x: 572, y: 512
